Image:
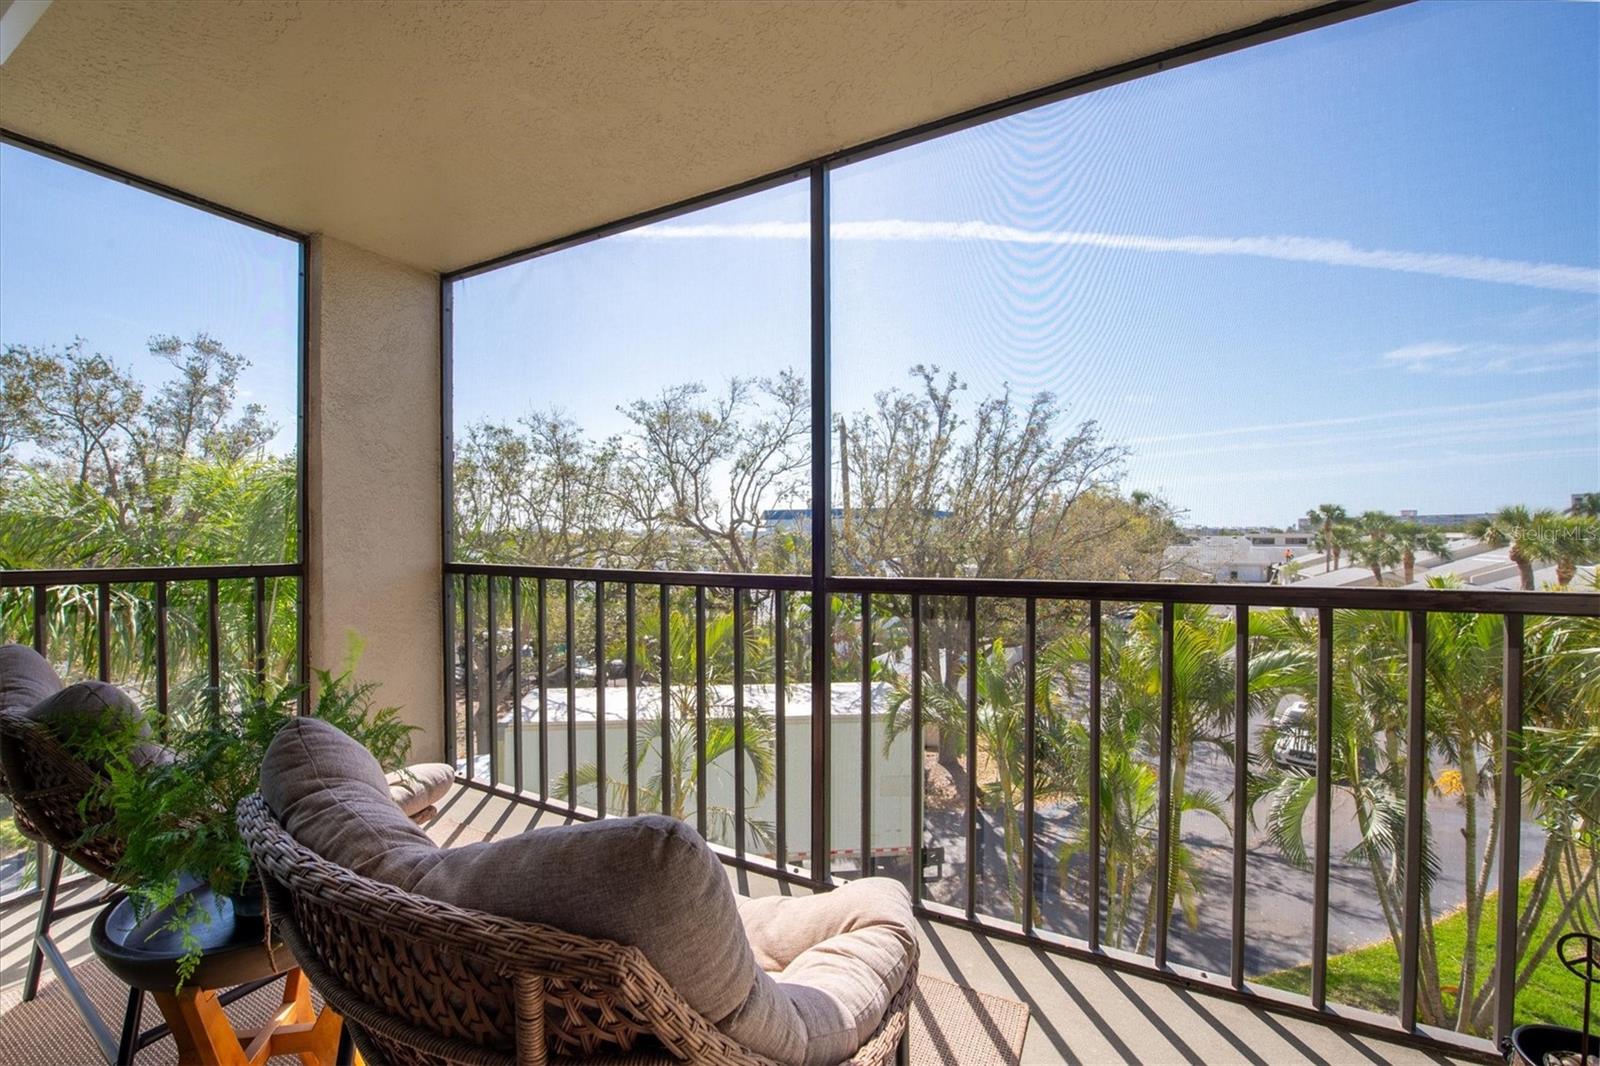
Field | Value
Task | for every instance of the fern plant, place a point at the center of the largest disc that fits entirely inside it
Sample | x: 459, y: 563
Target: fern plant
x: 177, y: 817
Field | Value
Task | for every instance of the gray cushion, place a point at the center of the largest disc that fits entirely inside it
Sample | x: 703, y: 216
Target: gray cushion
x: 649, y: 881
x: 330, y: 795
x: 25, y: 678
x: 419, y: 786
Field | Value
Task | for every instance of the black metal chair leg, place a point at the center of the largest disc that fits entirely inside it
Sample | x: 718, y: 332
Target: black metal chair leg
x: 41, y: 928
x: 902, y: 1050
x: 128, y: 1047
x: 346, y: 1055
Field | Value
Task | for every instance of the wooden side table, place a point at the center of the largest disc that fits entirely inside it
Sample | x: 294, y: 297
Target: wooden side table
x: 145, y: 955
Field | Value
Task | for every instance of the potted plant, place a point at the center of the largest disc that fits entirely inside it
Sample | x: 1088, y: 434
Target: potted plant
x: 176, y: 815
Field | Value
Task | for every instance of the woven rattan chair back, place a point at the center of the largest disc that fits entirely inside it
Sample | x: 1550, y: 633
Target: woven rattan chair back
x: 422, y: 981
x: 49, y: 788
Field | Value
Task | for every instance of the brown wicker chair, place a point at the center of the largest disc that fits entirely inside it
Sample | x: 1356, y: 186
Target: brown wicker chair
x: 419, y: 981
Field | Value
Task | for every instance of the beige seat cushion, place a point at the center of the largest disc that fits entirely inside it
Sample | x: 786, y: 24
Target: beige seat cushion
x: 839, y: 957
x: 419, y: 786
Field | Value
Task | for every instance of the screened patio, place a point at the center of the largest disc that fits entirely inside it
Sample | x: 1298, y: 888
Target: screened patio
x: 584, y: 402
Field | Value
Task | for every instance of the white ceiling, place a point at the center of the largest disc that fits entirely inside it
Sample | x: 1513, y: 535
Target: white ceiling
x: 441, y: 134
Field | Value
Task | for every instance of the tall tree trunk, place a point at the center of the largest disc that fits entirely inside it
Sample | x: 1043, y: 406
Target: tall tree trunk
x: 1408, y: 564
x: 1524, y: 568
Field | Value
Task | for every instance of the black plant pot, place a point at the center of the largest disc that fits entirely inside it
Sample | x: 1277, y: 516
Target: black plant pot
x: 249, y: 899
x: 1530, y: 1043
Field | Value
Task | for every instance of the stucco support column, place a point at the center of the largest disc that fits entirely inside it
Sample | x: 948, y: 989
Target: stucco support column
x: 372, y: 546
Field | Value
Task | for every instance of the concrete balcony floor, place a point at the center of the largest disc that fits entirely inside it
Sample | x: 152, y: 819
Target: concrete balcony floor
x: 1078, y: 1012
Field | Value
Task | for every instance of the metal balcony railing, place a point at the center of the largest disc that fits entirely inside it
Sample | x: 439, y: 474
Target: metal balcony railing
x: 140, y: 627
x: 480, y: 685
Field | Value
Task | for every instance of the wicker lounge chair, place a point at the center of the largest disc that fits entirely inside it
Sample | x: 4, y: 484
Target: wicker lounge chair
x: 423, y: 982
x: 616, y: 937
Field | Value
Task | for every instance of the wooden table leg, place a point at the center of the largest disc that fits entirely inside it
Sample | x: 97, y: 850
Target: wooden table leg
x: 205, y: 1036
x: 201, y: 1030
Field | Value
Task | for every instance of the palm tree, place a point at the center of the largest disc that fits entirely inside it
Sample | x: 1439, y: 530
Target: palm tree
x: 678, y: 723
x: 1202, y: 709
x: 1414, y: 538
x: 1375, y: 546
x: 1327, y: 520
x: 1463, y: 686
x: 1001, y: 722
x: 1518, y: 529
x: 1567, y: 540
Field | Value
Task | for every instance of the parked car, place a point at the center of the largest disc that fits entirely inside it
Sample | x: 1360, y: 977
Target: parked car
x: 1295, y: 740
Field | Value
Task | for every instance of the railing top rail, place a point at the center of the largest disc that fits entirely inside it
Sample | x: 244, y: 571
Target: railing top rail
x: 1488, y: 601
x: 128, y: 575
x: 1470, y: 600
x: 678, y: 578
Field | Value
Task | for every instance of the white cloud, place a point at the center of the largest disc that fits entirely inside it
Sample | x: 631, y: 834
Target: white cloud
x: 1481, y: 358
x: 1427, y: 351
x: 1322, y: 250
x: 1542, y: 402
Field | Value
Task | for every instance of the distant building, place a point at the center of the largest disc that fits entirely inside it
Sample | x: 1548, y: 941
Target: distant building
x: 1441, y: 521
x: 1225, y: 558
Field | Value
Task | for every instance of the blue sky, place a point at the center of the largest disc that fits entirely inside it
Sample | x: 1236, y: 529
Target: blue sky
x: 84, y: 256
x: 1361, y: 265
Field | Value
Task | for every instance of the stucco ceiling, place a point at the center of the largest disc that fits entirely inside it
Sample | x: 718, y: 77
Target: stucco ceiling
x: 440, y: 134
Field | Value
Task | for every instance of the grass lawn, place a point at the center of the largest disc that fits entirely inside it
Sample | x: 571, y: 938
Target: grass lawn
x: 1369, y: 977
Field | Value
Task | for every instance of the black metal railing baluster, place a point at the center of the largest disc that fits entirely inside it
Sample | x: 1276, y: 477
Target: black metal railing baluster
x: 666, y: 701
x: 700, y: 799
x: 1241, y: 784
x: 1319, y: 893
x: 918, y: 774
x: 213, y: 643
x: 259, y: 643
x: 451, y: 742
x: 491, y: 636
x: 103, y: 629
x: 1095, y: 814
x: 163, y: 695
x: 1507, y: 949
x: 780, y: 674
x: 865, y: 866
x: 738, y: 723
x: 571, y: 639
x: 41, y: 637
x: 517, y: 775
x: 541, y: 623
x: 601, y: 669
x: 1164, y: 804
x: 1416, y: 768
x: 973, y: 858
x: 471, y: 729
x: 630, y: 664
x: 41, y: 644
x: 1030, y: 678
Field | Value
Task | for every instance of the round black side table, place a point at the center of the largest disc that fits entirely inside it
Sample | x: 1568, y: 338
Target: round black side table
x: 145, y: 955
